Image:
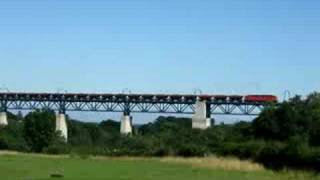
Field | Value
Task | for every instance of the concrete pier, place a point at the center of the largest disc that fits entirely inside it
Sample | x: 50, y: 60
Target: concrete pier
x: 201, y: 118
x: 3, y: 119
x: 61, y: 125
x: 126, y: 124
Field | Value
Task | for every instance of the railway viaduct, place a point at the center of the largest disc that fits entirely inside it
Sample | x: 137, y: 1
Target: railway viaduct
x: 201, y: 107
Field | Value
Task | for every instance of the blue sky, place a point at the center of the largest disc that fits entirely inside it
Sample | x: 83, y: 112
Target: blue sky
x: 168, y: 46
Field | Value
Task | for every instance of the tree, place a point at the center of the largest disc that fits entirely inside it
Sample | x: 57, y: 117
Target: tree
x: 294, y: 118
x: 39, y: 129
x: 110, y: 126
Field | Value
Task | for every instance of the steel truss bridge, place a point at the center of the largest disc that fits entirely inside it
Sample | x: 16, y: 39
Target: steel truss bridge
x: 127, y: 103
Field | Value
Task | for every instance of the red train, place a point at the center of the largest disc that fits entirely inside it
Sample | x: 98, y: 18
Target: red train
x: 261, y: 98
x: 237, y: 98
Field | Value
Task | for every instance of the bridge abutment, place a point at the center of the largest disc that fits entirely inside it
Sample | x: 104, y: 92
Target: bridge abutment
x: 126, y: 124
x: 61, y: 125
x: 3, y: 119
x: 201, y: 118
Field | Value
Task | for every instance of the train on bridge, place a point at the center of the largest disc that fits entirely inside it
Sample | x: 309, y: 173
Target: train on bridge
x: 200, y: 106
x: 238, y: 98
x: 174, y: 98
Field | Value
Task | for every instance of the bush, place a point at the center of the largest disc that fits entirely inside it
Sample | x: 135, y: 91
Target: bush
x: 56, y: 149
x: 3, y: 144
x: 58, y: 146
x: 191, y: 150
x: 272, y: 155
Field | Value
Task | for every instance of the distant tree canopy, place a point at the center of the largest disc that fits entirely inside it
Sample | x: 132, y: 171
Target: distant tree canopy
x: 166, y: 124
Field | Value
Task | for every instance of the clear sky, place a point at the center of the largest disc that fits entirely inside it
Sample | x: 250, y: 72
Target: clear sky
x: 168, y: 46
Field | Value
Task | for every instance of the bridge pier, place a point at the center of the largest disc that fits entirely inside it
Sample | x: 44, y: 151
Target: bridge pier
x: 61, y: 125
x: 126, y: 124
x: 201, y: 118
x: 3, y: 119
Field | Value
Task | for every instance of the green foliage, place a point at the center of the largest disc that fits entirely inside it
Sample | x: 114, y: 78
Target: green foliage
x: 3, y: 143
x: 39, y: 129
x: 57, y: 146
x: 11, y: 136
x: 294, y: 118
x: 110, y: 126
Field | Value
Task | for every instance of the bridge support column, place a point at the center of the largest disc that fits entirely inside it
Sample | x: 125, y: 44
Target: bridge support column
x: 201, y: 117
x: 3, y: 119
x: 126, y: 124
x: 61, y: 125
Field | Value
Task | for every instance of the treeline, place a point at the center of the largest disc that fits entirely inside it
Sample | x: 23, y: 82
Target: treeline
x: 287, y: 135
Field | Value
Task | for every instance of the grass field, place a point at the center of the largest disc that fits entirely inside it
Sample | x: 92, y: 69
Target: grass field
x: 41, y: 167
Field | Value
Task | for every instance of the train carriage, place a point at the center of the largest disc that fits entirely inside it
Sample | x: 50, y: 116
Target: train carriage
x: 261, y: 98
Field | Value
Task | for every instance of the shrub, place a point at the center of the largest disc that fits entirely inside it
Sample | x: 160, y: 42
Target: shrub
x: 191, y: 150
x: 3, y: 144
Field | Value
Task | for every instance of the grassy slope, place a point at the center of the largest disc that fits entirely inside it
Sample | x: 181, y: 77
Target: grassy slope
x: 30, y: 167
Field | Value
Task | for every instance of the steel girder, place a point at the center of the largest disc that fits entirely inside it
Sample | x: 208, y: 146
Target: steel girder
x: 143, y: 103
x: 134, y: 107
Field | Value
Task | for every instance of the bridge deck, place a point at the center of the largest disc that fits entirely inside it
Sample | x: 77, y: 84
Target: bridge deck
x: 147, y: 103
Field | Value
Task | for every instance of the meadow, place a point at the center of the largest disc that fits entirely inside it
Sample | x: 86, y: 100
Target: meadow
x: 17, y: 166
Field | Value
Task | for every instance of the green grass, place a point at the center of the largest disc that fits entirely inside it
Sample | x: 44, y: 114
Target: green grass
x: 33, y: 167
